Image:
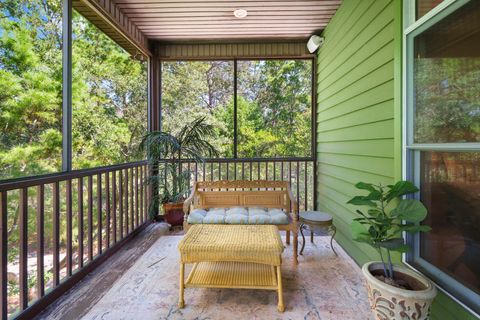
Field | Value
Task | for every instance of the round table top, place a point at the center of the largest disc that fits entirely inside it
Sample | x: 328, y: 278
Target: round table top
x: 315, y: 217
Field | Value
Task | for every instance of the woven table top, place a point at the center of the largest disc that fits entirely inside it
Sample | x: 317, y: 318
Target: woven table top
x: 241, y: 243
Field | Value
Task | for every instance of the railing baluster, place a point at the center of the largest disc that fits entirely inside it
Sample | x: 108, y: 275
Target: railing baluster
x: 4, y: 254
x: 120, y: 202
x: 281, y: 169
x: 305, y: 177
x: 298, y: 185
x: 211, y: 171
x: 266, y: 170
x: 243, y: 170
x: 145, y: 192
x: 23, y: 255
x: 114, y: 200
x: 107, y: 208
x: 56, y: 233
x: 132, y: 197
x: 40, y: 240
x: 69, y: 226
x: 204, y: 171
x: 80, y: 222
x: 196, y: 171
x: 274, y: 170
x: 219, y: 171
x: 250, y: 163
x: 99, y: 214
x: 136, y: 198
x: 234, y: 170
x: 127, y: 231
x: 90, y: 218
x: 142, y: 213
x: 258, y: 170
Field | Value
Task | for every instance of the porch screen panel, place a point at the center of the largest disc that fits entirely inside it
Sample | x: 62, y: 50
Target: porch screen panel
x: 109, y: 93
x: 193, y: 89
x: 444, y: 150
x: 274, y: 107
x: 30, y: 88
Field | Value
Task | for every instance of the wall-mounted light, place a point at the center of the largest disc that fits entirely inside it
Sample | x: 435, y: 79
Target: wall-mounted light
x: 240, y: 13
x: 314, y: 43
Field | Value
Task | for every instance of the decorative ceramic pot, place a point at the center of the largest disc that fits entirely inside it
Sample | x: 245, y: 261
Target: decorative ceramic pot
x: 392, y: 303
x: 173, y: 213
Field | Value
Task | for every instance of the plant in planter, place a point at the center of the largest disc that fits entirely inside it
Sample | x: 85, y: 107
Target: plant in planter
x: 395, y: 291
x: 166, y: 153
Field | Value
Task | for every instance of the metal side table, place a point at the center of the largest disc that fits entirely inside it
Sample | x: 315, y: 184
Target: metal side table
x: 318, y: 223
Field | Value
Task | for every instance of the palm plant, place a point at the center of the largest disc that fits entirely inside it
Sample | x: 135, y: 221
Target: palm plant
x: 166, y: 152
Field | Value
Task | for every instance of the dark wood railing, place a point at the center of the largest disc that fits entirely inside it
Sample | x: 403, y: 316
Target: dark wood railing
x: 300, y: 172
x: 57, y: 228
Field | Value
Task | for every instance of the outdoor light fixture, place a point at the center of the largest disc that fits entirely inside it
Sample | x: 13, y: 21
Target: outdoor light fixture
x: 314, y: 43
x: 240, y: 13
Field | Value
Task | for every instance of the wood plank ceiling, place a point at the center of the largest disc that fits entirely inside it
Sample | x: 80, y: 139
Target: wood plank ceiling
x: 213, y: 20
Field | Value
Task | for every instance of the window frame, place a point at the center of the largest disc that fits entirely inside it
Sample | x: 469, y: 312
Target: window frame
x: 411, y: 151
x: 235, y: 87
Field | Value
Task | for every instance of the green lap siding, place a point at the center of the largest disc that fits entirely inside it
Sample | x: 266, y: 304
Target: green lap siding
x: 359, y: 126
x: 355, y: 110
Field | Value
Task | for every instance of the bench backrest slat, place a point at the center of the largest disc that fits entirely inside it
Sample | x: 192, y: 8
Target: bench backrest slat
x: 226, y: 193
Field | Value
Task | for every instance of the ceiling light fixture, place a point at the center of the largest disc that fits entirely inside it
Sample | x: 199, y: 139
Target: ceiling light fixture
x: 240, y: 13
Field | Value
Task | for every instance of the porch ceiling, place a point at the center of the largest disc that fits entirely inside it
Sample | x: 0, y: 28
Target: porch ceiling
x: 213, y: 20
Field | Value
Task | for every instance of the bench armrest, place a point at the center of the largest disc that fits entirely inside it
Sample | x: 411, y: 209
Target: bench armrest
x: 188, y: 202
x: 294, y: 206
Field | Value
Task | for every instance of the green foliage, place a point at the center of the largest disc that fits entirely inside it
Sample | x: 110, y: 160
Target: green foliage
x: 382, y: 228
x: 273, y: 104
x: 166, y: 151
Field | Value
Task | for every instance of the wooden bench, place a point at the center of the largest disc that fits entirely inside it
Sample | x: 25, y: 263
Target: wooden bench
x: 246, y: 194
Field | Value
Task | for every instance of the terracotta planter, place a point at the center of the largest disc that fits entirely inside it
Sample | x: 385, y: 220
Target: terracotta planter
x: 389, y: 302
x: 173, y: 213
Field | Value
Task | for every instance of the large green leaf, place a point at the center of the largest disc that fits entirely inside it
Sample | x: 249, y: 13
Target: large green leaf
x: 361, y: 201
x: 410, y: 210
x: 365, y: 186
x: 415, y: 228
x: 399, y: 189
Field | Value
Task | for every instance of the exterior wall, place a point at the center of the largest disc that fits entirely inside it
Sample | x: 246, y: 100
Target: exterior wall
x: 359, y: 126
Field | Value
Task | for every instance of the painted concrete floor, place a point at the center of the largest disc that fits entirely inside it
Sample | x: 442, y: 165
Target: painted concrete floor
x: 141, y: 282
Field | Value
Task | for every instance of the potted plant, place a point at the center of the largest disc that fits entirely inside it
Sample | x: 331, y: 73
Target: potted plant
x: 395, y: 291
x: 166, y: 153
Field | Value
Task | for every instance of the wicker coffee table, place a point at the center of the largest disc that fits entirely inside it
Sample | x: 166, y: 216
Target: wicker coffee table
x: 232, y: 256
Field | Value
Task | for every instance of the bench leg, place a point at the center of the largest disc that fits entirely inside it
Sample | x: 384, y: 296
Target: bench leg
x: 295, y: 247
x: 281, y: 305
x: 181, y: 301
x: 288, y: 237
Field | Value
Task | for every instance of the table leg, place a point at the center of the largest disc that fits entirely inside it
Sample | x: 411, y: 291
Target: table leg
x: 181, y: 301
x: 281, y: 306
x: 331, y: 239
x: 303, y: 237
x: 287, y: 237
x: 311, y: 236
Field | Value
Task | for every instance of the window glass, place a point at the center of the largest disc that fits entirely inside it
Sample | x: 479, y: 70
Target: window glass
x: 109, y: 93
x: 192, y: 89
x: 450, y: 189
x: 274, y: 108
x: 30, y: 88
x: 424, y: 6
x: 447, y: 79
